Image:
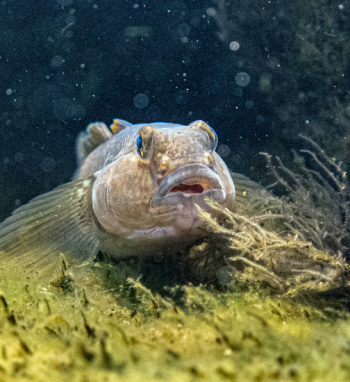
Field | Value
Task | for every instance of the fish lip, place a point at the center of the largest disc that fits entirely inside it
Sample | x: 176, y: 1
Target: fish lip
x: 188, y: 173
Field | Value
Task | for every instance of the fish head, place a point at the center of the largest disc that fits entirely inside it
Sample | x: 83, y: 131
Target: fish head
x: 161, y: 180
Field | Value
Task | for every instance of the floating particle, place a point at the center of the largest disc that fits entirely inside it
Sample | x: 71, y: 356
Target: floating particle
x: 48, y: 164
x: 242, y: 79
x: 223, y: 151
x: 9, y: 91
x: 211, y: 12
x: 138, y: 31
x: 141, y: 101
x: 234, y: 45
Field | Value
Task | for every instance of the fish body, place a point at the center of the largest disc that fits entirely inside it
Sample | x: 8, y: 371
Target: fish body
x: 134, y: 194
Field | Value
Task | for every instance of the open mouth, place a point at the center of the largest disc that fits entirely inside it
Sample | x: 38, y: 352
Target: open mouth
x: 195, y: 186
x: 189, y: 183
x: 188, y: 188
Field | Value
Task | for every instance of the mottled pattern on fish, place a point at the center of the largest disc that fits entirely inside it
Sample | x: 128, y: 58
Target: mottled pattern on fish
x: 135, y: 193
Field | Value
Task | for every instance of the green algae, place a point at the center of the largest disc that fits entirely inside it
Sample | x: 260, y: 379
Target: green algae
x: 110, y: 329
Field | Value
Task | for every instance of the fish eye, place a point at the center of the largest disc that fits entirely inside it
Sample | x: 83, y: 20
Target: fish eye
x: 144, y: 142
x: 213, y: 138
x: 139, y: 146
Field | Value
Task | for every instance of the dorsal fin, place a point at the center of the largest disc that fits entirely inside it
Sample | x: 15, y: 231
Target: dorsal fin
x: 96, y: 133
x: 118, y: 125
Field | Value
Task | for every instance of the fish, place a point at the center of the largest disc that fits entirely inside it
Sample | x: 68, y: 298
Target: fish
x: 135, y: 193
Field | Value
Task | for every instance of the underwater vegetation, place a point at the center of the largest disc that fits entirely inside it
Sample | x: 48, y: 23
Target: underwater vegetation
x: 316, y: 203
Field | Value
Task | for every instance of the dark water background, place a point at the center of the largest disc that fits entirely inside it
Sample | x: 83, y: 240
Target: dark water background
x: 259, y: 72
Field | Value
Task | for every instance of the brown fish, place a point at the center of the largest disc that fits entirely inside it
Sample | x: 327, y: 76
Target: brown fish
x: 135, y: 193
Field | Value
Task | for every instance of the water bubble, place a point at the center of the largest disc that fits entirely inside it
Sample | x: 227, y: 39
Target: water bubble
x: 249, y: 104
x: 141, y: 101
x: 183, y: 29
x: 57, y: 61
x: 223, y: 151
x: 236, y: 159
x: 234, y: 45
x: 48, y: 164
x: 242, y: 79
x: 153, y: 113
x: 260, y: 119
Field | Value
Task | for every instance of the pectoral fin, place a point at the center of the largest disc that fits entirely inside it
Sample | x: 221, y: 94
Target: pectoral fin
x: 246, y: 191
x: 58, y: 222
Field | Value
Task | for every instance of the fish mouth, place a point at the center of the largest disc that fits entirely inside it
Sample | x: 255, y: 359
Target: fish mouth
x: 190, y: 183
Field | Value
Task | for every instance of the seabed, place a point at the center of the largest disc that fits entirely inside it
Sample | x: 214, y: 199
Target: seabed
x: 109, y: 326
